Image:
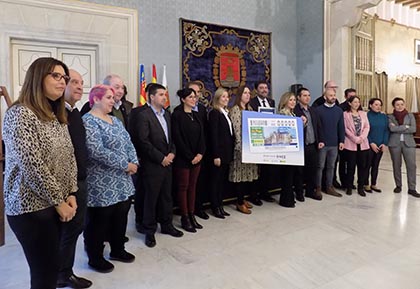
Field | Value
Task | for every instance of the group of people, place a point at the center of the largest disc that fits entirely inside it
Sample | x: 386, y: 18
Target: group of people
x: 69, y: 172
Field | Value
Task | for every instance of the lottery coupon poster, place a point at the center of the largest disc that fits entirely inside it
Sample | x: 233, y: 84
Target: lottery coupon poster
x: 272, y: 139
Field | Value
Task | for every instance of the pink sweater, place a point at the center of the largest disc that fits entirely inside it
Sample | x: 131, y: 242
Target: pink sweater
x: 351, y: 140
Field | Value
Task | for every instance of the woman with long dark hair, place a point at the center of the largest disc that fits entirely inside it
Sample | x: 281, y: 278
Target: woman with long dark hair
x: 356, y: 145
x: 40, y: 174
x: 242, y: 175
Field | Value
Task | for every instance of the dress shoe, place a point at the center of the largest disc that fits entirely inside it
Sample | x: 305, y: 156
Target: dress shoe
x: 74, y: 282
x: 367, y: 189
x: 126, y: 239
x: 101, y: 265
x: 171, y: 230
x: 222, y: 210
x: 376, y: 189
x: 217, y: 213
x: 150, y: 240
x: 248, y: 204
x: 256, y: 201
x: 300, y: 197
x: 186, y: 224
x: 316, y: 195
x: 332, y: 192
x: 414, y: 193
x: 194, y: 222
x: 122, y: 256
x: 353, y: 187
x: 336, y: 184
x: 267, y: 198
x: 361, y: 191
x: 397, y: 190
x: 349, y: 191
x: 243, y: 209
x: 202, y: 214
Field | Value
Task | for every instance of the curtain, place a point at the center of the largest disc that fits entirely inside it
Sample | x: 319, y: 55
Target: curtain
x: 417, y: 95
x: 409, y: 91
x: 381, y: 88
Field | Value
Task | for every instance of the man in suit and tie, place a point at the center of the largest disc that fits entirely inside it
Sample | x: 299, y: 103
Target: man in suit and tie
x: 262, y: 100
x: 151, y: 136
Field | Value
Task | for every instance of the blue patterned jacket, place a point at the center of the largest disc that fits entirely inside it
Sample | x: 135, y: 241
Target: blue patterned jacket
x: 109, y: 152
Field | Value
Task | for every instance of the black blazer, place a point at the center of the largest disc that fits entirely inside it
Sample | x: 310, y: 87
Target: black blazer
x: 221, y: 141
x: 188, y: 143
x: 149, y: 138
x: 315, y: 121
x: 254, y: 103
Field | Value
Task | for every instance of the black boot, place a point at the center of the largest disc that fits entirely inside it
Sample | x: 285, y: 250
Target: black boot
x: 186, y: 224
x: 194, y: 222
x: 222, y: 210
x: 217, y: 213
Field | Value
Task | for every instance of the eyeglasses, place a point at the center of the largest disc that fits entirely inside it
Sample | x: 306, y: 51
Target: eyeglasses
x: 58, y: 76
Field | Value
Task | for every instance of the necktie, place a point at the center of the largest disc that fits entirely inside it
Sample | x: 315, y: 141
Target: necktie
x: 264, y: 103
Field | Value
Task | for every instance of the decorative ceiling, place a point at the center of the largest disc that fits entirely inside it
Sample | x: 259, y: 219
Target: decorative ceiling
x: 413, y: 4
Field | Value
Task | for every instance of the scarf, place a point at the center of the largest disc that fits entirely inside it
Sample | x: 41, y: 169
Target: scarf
x: 399, y: 115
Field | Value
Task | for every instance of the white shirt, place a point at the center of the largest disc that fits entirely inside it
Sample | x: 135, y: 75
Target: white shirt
x: 225, y: 113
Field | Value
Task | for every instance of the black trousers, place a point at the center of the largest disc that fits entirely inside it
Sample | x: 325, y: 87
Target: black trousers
x: 357, y: 158
x: 39, y: 234
x: 139, y: 196
x: 307, y: 173
x: 157, y: 199
x: 70, y: 233
x: 219, y: 183
x: 287, y: 197
x: 106, y: 223
x: 373, y: 167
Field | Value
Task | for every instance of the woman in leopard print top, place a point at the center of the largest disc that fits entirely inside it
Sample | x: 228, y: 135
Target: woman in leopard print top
x: 40, y: 173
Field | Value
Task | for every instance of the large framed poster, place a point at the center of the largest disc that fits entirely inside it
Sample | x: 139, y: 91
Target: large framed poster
x: 272, y: 139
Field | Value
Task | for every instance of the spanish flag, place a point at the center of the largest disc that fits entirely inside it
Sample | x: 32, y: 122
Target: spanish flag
x: 142, y: 96
x: 154, y: 77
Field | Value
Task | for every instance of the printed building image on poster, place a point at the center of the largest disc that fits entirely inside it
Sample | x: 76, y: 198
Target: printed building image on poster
x: 272, y: 139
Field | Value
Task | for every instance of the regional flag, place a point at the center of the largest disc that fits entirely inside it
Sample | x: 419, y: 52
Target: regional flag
x: 142, y: 96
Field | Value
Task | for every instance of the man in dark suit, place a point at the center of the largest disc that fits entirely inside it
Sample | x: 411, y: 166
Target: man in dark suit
x: 71, y: 230
x: 262, y: 100
x: 311, y: 130
x: 151, y: 136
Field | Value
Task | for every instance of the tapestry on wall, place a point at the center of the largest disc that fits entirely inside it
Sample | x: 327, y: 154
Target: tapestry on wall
x: 223, y: 56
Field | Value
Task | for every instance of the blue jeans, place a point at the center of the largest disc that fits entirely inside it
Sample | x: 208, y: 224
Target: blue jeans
x: 326, y: 157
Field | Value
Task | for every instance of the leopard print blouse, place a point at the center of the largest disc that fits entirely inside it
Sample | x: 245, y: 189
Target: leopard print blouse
x: 40, y: 164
